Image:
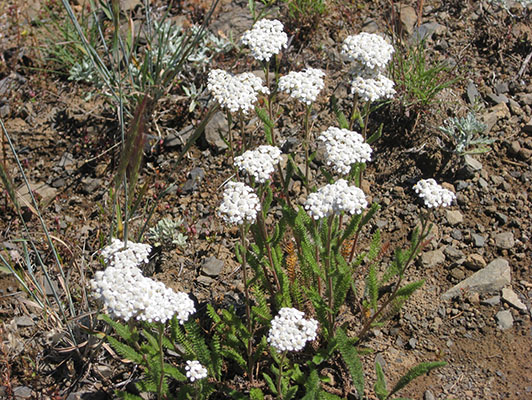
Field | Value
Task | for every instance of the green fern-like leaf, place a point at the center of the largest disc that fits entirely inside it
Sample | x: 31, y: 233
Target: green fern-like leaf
x: 352, y: 227
x: 410, y: 288
x: 350, y: 356
x: 268, y: 123
x: 234, y: 355
x: 380, y: 384
x: 372, y: 287
x: 375, y: 246
x: 256, y: 394
x: 270, y: 383
x: 420, y: 369
x: 312, y: 388
x: 174, y: 372
x: 122, y: 330
x: 125, y: 350
x: 323, y: 395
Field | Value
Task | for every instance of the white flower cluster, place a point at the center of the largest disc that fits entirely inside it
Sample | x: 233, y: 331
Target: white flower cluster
x: 115, y: 255
x: 128, y: 294
x: 343, y: 148
x: 240, y: 204
x: 368, y: 50
x: 372, y: 88
x: 259, y: 163
x: 195, y: 370
x: 433, y: 194
x: 235, y: 92
x: 304, y: 85
x: 265, y: 39
x: 334, y: 199
x: 290, y: 331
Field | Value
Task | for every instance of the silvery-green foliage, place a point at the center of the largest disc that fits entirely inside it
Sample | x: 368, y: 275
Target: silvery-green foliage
x: 167, y: 231
x: 465, y: 132
x: 82, y: 71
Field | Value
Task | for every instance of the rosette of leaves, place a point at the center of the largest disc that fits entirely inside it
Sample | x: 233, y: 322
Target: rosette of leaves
x: 167, y: 232
x: 464, y: 132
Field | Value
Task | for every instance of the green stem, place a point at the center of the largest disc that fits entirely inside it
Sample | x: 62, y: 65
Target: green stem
x: 249, y: 349
x: 161, y: 360
x: 280, y: 376
x: 328, y: 273
x: 353, y: 113
x: 306, y: 145
x: 417, y: 245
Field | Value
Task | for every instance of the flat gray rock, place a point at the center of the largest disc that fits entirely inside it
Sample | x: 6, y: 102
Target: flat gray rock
x: 490, y: 279
x: 505, y: 240
x: 430, y: 259
x: 504, y: 319
x: 212, y: 266
x: 509, y: 296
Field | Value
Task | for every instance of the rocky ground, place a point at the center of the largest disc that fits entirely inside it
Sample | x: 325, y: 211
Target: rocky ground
x: 475, y: 307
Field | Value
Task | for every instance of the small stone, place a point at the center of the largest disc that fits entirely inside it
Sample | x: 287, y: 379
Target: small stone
x: 472, y: 162
x: 494, y: 114
x: 428, y: 396
x: 472, y: 93
x: 430, y: 259
x: 22, y: 392
x: 24, y: 321
x: 453, y: 253
x: 474, y: 262
x: 179, y: 138
x: 212, y: 266
x: 205, y: 280
x: 504, y: 319
x: 492, y: 301
x: 501, y: 88
x: 509, y: 296
x: 458, y: 273
x: 492, y: 278
x: 505, y: 240
x: 497, y: 98
x: 412, y: 342
x: 478, y: 240
x: 215, y: 127
x: 454, y: 217
x: 408, y: 18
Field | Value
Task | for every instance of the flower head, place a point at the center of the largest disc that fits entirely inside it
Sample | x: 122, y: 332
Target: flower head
x: 195, y: 370
x: 304, y: 85
x: 240, y: 204
x: 265, y: 39
x: 290, y: 331
x: 372, y: 88
x: 259, y: 163
x: 334, y: 199
x: 128, y: 294
x: 433, y: 194
x: 115, y: 255
x: 235, y: 92
x: 369, y: 50
x: 344, y: 148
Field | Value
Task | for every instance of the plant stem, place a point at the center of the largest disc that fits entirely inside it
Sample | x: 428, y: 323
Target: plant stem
x: 243, y: 231
x: 328, y: 273
x: 417, y: 245
x: 306, y: 145
x: 161, y: 360
x: 353, y: 112
x: 264, y: 233
x: 280, y: 376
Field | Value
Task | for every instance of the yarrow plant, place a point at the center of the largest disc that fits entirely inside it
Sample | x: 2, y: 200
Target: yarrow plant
x: 372, y: 89
x: 195, y: 370
x: 240, y: 204
x: 343, y: 148
x: 311, y: 253
x: 235, y: 92
x: 334, y: 199
x: 128, y: 294
x: 304, y: 86
x: 118, y: 255
x: 290, y: 331
x: 370, y: 51
x: 259, y: 163
x: 265, y: 39
x: 433, y: 194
